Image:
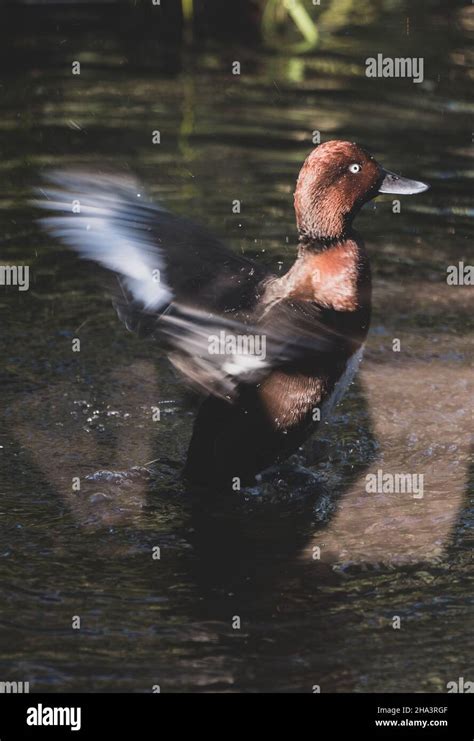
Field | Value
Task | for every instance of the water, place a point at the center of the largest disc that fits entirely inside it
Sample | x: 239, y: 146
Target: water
x: 305, y: 620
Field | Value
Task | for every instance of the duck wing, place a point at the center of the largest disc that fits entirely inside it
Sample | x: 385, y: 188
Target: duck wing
x: 180, y: 284
x: 161, y: 257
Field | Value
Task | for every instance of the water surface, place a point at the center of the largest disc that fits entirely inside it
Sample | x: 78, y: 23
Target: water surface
x: 305, y: 621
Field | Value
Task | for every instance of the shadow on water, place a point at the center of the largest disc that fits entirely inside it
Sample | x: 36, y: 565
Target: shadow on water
x: 235, y: 552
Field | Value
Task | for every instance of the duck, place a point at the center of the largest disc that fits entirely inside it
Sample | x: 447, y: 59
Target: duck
x: 270, y: 354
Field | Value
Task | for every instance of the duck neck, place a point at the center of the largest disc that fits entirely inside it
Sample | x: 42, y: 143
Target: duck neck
x: 319, y: 220
x: 318, y: 243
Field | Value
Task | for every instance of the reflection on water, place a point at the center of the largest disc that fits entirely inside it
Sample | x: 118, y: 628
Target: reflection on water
x: 316, y: 580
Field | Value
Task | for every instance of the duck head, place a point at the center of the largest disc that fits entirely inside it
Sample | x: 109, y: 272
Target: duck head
x: 336, y: 179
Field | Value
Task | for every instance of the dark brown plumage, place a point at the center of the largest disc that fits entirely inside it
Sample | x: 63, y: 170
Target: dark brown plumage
x: 312, y: 321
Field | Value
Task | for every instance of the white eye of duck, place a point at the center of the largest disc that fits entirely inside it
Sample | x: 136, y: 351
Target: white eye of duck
x: 355, y: 168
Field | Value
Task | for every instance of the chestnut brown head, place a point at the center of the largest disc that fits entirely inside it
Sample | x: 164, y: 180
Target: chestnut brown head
x: 336, y: 179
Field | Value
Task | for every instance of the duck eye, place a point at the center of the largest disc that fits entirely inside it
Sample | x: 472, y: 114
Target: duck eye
x: 355, y: 168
